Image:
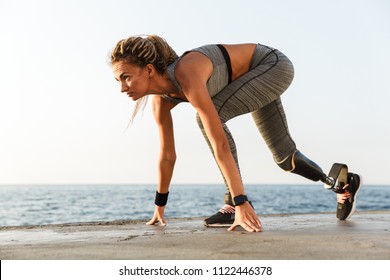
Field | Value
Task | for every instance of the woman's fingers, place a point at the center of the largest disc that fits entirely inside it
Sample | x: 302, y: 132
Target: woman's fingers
x: 247, y: 227
x: 253, y: 225
x: 156, y: 221
x: 158, y: 216
x: 233, y: 227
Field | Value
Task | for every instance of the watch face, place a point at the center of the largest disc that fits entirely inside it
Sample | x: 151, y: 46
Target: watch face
x: 239, y: 199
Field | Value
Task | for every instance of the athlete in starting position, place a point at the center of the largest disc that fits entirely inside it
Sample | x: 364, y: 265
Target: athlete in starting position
x: 221, y: 82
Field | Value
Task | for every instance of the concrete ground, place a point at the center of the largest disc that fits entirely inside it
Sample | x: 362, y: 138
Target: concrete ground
x: 285, y: 237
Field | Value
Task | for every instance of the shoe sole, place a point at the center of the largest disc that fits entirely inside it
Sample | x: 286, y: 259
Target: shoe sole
x: 355, y: 198
x: 217, y: 225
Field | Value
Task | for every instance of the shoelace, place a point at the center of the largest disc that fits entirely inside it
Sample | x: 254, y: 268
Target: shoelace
x: 227, y: 209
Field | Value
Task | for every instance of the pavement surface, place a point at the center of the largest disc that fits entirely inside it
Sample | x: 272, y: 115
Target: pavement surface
x: 285, y: 237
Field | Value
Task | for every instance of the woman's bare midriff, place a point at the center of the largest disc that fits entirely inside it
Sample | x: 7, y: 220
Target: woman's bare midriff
x: 240, y: 57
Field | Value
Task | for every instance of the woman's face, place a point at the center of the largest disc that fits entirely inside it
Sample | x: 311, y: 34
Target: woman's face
x: 134, y: 80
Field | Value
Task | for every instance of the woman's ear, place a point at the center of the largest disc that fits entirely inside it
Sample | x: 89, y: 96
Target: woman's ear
x: 150, y: 69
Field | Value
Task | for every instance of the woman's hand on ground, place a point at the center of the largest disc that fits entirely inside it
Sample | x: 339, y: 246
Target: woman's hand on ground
x: 158, y: 216
x: 246, y: 217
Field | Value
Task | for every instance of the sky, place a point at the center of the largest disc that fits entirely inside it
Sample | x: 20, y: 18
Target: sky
x: 63, y: 118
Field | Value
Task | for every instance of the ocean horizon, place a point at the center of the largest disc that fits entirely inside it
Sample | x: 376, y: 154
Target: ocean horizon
x: 23, y: 205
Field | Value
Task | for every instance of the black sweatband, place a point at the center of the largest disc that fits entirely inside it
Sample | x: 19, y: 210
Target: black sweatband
x: 161, y: 199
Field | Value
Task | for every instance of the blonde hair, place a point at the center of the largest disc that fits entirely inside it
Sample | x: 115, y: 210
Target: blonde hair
x: 140, y: 51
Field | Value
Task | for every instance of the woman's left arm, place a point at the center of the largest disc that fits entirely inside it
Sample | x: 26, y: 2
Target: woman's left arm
x: 192, y: 74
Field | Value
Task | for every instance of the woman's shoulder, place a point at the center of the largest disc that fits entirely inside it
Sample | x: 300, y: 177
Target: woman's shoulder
x: 194, y: 66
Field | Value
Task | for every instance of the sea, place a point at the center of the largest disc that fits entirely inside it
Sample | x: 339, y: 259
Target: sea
x: 24, y: 205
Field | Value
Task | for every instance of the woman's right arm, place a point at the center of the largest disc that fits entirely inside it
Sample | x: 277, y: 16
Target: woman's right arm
x: 162, y: 114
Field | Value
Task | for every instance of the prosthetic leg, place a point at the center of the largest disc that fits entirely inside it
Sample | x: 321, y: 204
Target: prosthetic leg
x: 299, y: 164
x: 336, y: 181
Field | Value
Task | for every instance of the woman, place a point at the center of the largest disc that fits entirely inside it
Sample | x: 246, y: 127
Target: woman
x: 220, y: 82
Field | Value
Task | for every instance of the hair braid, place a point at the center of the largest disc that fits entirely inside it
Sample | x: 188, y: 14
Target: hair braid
x: 141, y: 51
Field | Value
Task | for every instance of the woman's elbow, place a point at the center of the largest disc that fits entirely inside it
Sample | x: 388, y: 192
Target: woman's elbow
x: 168, y: 158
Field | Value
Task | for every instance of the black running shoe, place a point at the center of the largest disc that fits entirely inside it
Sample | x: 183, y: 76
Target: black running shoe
x: 223, y: 218
x: 345, y: 210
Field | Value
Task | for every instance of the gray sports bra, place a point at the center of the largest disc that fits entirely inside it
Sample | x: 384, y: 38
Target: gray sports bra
x: 220, y: 77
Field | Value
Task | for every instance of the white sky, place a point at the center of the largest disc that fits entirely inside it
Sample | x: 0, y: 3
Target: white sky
x: 62, y: 116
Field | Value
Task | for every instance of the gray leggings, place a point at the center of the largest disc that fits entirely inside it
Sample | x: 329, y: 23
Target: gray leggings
x: 258, y: 92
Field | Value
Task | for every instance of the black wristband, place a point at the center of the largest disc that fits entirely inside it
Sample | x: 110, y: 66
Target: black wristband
x: 161, y: 199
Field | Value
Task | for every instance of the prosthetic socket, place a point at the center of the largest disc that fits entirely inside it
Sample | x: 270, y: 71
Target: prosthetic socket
x: 299, y: 164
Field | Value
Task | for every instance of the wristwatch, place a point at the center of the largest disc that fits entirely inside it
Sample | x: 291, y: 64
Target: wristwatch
x: 239, y: 199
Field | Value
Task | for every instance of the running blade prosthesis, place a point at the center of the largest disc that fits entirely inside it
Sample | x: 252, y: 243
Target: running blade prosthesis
x: 339, y: 177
